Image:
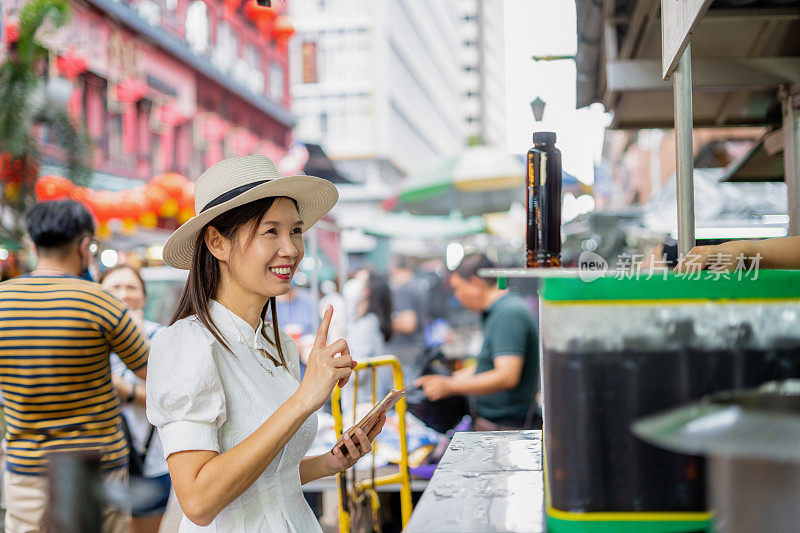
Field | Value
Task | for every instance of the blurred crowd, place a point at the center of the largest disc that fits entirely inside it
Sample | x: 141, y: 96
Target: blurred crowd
x: 468, y: 351
x: 463, y: 350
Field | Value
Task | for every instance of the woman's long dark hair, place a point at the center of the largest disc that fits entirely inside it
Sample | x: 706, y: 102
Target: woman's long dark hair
x: 379, y: 301
x: 205, y: 276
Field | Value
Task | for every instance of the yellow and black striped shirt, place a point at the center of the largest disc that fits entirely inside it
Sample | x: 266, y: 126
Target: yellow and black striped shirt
x: 56, y: 334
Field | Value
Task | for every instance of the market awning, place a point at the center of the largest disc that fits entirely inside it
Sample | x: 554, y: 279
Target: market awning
x: 423, y: 227
x: 741, y: 53
x: 482, y: 179
x: 763, y: 162
x: 321, y: 166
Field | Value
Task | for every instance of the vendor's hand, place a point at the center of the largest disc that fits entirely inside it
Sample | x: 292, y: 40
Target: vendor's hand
x: 435, y: 387
x: 464, y: 372
x: 720, y: 257
x: 324, y: 370
x: 336, y: 461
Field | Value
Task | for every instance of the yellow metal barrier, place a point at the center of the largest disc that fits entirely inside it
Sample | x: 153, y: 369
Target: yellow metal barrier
x: 366, y: 488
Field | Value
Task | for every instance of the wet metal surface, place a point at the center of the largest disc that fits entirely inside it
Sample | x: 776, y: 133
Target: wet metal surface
x: 488, y: 481
x: 493, y: 451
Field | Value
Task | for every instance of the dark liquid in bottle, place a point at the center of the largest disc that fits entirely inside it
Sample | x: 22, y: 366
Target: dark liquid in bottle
x: 544, y: 202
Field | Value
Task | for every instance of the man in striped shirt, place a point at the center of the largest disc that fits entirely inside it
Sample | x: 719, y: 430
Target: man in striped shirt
x: 56, y: 333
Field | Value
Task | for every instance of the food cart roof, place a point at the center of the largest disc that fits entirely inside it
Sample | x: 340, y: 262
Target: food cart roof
x: 741, y: 52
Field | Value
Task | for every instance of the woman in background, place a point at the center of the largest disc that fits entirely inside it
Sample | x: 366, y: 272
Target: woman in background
x: 368, y: 334
x: 126, y: 284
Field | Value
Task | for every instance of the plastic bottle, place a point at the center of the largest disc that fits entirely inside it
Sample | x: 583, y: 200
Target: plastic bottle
x: 544, y: 202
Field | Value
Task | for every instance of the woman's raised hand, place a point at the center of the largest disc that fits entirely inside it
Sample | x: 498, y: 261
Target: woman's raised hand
x: 325, y: 369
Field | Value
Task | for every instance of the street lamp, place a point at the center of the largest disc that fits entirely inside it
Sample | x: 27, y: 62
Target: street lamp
x: 537, y: 106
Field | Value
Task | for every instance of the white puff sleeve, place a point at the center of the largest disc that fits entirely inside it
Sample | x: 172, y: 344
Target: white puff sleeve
x: 185, y: 399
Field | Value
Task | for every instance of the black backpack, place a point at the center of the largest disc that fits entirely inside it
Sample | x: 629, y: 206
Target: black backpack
x: 441, y: 415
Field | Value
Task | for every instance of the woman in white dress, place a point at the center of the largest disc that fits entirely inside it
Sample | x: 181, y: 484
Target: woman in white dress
x: 223, y: 387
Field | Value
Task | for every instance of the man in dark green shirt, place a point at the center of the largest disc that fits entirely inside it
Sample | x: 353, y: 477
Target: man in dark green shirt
x: 506, y: 377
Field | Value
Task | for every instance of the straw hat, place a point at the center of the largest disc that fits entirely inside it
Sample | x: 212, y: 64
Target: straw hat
x: 239, y: 180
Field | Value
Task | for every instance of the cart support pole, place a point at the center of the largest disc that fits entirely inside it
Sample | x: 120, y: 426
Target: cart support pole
x: 791, y: 159
x: 682, y: 89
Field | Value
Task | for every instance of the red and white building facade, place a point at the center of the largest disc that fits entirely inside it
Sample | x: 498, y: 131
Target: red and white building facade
x: 170, y: 85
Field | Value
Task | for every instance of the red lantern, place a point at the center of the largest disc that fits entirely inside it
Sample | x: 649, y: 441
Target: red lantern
x: 53, y: 188
x: 80, y: 194
x: 155, y: 197
x: 109, y: 206
x: 282, y: 31
x: 186, y: 203
x: 140, y: 200
x: 171, y: 183
x: 71, y: 65
x: 10, y: 169
x: 130, y: 90
x: 230, y: 8
x: 128, y: 206
x: 170, y: 115
x: 12, y: 32
x: 262, y: 16
x: 133, y: 204
x: 100, y: 203
x: 16, y: 173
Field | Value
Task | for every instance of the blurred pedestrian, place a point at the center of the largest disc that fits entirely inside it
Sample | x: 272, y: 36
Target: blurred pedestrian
x: 368, y: 332
x: 505, y: 379
x: 297, y: 307
x: 409, y: 313
x: 224, y: 391
x: 58, y: 331
x: 126, y: 283
x: 330, y: 297
x: 353, y: 289
x: 296, y: 311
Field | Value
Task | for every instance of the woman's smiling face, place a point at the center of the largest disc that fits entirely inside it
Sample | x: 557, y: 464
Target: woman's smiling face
x: 265, y: 265
x: 126, y: 287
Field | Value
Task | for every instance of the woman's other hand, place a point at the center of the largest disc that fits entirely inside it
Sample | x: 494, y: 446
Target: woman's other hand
x: 325, y: 370
x: 337, y: 461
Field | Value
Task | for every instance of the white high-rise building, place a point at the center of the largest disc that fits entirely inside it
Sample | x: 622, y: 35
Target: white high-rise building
x: 378, y: 83
x: 483, y: 64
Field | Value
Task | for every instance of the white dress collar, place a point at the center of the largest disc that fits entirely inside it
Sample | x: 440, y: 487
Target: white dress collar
x: 235, y: 327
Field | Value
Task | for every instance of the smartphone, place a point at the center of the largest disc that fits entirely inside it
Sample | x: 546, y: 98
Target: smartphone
x: 370, y: 419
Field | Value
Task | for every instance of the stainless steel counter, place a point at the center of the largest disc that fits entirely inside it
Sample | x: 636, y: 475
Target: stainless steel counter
x: 487, y: 481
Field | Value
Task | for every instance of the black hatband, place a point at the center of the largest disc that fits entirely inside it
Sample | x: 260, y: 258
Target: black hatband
x: 233, y: 193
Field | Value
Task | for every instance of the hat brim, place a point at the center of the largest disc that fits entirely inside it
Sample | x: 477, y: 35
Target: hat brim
x: 314, y: 197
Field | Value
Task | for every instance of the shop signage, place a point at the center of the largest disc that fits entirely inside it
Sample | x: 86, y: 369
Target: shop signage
x: 160, y: 85
x: 308, y: 51
x: 679, y: 18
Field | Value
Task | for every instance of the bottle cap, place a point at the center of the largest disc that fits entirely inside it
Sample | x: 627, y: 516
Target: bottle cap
x: 544, y: 137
